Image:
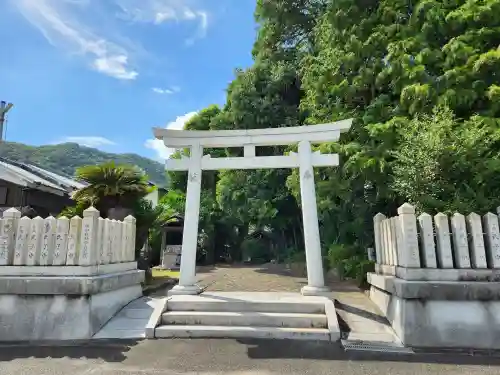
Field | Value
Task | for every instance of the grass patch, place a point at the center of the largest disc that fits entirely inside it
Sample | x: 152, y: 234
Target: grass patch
x: 156, y: 273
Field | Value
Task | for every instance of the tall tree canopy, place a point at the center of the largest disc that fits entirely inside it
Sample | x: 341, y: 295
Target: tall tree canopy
x: 419, y: 78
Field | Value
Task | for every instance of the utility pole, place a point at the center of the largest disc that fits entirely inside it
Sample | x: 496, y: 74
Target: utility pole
x: 4, y: 108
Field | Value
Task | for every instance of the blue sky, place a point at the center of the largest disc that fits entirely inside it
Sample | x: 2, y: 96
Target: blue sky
x: 102, y: 73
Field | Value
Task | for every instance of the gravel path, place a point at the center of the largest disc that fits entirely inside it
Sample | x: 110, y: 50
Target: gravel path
x: 265, y: 278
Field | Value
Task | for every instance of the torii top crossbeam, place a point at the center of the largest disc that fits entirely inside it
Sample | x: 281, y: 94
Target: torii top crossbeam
x: 258, y: 137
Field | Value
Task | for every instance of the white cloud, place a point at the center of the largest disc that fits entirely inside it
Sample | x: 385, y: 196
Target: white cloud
x: 90, y: 141
x: 162, y: 152
x: 61, y: 23
x: 160, y: 11
x: 168, y: 91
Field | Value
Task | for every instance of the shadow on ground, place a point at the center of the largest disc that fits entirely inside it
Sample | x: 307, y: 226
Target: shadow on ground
x: 321, y: 351
x: 107, y: 350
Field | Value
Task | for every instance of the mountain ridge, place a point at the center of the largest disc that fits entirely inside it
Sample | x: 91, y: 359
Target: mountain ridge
x: 64, y: 158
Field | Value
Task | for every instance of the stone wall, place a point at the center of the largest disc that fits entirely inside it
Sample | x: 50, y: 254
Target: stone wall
x: 64, y: 278
x: 437, y: 278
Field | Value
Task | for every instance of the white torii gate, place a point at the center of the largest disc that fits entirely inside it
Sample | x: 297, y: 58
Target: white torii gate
x: 305, y: 160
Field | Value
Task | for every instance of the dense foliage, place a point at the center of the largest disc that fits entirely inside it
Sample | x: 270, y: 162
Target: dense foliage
x: 420, y: 80
x: 67, y: 157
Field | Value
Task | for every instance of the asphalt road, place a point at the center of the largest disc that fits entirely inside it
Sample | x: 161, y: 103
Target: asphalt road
x: 230, y: 357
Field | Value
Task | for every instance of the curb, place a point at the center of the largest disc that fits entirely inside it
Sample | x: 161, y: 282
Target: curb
x: 154, y: 288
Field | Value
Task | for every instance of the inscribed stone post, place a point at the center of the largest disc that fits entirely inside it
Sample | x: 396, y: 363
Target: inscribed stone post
x: 132, y: 233
x: 492, y: 235
x: 48, y: 241
x: 445, y: 258
x: 377, y: 220
x: 106, y: 242
x: 460, y: 243
x: 118, y: 246
x: 61, y: 243
x: 399, y: 242
x: 427, y: 240
x: 8, y: 236
x: 22, y: 236
x: 393, y: 249
x: 75, y: 231
x: 124, y: 241
x: 383, y: 242
x: 35, y: 241
x: 410, y: 252
x: 387, y: 240
x: 478, y: 252
x: 88, y: 251
x: 100, y: 241
x: 112, y: 235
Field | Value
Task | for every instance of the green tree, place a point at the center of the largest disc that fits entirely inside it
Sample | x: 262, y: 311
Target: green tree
x: 112, y: 186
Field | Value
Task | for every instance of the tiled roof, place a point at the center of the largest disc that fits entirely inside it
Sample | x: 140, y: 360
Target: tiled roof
x: 28, y: 175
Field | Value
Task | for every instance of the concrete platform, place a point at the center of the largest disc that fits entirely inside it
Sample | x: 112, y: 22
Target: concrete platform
x: 248, y: 315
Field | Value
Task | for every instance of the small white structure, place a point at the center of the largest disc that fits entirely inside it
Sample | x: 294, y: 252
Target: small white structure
x: 249, y: 139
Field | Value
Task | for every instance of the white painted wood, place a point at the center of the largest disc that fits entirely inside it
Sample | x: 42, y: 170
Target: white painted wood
x: 259, y: 137
x: 410, y: 251
x: 445, y: 257
x: 22, y: 236
x: 377, y: 220
x: 75, y: 230
x: 492, y: 237
x: 35, y: 242
x: 253, y: 162
x: 477, y: 249
x: 61, y: 243
x: 314, y: 261
x: 48, y: 241
x: 8, y: 235
x: 460, y: 243
x: 249, y: 150
x: 427, y: 241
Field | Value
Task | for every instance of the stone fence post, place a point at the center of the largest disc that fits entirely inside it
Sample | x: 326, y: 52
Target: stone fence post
x: 409, y: 254
x: 88, y: 249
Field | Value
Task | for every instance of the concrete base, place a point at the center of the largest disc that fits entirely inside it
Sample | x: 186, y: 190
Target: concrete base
x: 249, y: 315
x: 55, y: 308
x: 185, y: 290
x: 314, y: 291
x: 451, y: 317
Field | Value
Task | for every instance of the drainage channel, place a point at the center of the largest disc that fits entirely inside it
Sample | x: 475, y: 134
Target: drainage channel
x: 367, y: 346
x: 373, y: 347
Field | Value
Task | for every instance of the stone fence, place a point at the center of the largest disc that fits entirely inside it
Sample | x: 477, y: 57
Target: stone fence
x: 437, y: 279
x: 87, y: 241
x: 439, y: 242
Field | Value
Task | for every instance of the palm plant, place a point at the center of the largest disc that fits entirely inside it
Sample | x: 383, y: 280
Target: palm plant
x: 111, y: 186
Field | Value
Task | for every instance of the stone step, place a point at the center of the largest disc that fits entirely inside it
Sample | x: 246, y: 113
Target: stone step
x: 208, y: 304
x: 254, y: 319
x: 199, y: 331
